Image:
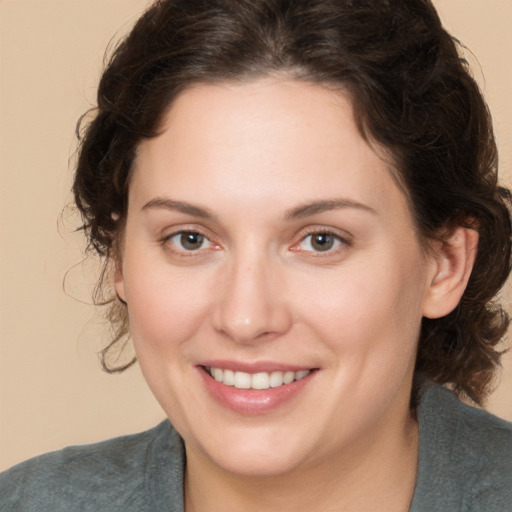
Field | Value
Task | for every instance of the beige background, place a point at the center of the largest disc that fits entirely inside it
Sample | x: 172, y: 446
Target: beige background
x: 52, y: 392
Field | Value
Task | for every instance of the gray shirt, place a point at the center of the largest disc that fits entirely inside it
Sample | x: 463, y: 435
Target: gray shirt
x: 465, y: 464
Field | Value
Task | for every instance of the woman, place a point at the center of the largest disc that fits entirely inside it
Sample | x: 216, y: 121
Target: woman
x: 297, y: 206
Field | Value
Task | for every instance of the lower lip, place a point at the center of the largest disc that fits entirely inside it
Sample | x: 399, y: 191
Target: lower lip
x: 253, y: 401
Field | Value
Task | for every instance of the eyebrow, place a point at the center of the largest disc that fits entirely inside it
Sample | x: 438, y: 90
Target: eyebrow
x: 315, y: 207
x: 299, y: 212
x: 180, y: 206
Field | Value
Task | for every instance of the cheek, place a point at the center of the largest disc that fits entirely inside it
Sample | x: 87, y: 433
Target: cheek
x: 165, y: 306
x: 371, y: 311
x: 166, y: 310
x: 369, y: 322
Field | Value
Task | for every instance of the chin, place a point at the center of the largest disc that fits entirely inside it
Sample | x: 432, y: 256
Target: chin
x: 264, y: 465
x: 252, y: 454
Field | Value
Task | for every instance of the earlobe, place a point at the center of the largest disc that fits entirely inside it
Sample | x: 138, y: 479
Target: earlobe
x: 453, y: 262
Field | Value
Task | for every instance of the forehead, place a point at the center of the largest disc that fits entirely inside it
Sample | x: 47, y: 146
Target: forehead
x: 260, y: 141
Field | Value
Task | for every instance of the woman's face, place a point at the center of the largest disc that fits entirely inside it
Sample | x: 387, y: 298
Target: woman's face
x: 267, y: 242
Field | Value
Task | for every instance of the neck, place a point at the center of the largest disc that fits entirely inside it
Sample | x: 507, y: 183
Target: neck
x: 377, y: 473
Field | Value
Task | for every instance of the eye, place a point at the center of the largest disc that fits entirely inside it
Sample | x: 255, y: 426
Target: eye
x: 320, y: 241
x: 189, y: 241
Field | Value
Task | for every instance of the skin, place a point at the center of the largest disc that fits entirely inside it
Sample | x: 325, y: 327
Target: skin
x: 248, y: 157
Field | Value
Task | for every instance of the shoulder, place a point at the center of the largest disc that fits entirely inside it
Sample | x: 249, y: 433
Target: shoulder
x: 465, y: 458
x: 124, y: 473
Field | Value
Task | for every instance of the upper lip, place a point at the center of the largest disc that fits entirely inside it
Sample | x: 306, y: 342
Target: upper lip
x: 255, y: 367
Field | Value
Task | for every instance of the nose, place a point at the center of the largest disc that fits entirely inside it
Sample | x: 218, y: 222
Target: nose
x: 252, y: 304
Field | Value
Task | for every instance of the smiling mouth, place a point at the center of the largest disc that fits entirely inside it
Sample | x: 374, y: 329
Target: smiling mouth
x: 260, y: 380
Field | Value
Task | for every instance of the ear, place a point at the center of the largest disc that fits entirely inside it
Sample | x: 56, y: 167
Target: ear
x: 119, y: 281
x: 453, y: 259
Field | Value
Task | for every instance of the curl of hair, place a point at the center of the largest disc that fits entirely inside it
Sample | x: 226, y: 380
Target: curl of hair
x: 412, y: 94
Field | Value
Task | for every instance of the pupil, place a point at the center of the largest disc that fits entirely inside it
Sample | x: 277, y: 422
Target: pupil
x: 322, y: 242
x: 191, y: 241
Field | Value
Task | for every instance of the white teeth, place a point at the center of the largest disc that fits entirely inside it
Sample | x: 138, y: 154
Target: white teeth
x: 217, y: 374
x: 242, y: 380
x: 301, y: 374
x: 229, y: 378
x: 261, y: 380
x: 288, y: 377
x: 276, y: 379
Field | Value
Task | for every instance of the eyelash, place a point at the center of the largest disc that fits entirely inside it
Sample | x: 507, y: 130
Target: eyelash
x: 338, y: 241
x: 183, y: 251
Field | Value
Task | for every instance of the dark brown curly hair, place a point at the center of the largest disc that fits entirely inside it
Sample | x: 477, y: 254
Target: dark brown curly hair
x: 412, y: 94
